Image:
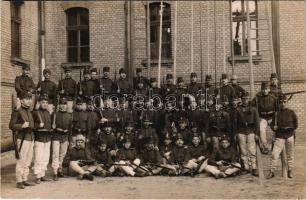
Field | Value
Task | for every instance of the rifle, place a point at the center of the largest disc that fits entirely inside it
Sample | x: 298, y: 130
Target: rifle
x: 17, y: 155
x: 258, y: 153
x: 80, y: 86
x: 62, y: 85
x: 293, y: 93
x: 163, y: 166
x: 54, y: 113
x: 232, y: 165
x: 118, y: 88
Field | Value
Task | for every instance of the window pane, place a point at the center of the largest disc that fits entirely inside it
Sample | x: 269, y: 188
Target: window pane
x: 236, y: 8
x: 15, y: 38
x: 154, y: 11
x: 84, y: 37
x: 72, y: 54
x: 84, y: 18
x: 153, y: 34
x: 72, y: 18
x: 237, y: 37
x: 166, y: 51
x: 166, y: 34
x: 84, y: 54
x: 167, y: 12
x: 72, y: 38
x: 154, y: 50
x: 252, y: 7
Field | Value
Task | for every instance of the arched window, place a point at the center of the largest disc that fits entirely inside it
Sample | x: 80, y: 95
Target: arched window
x: 78, y: 35
x: 166, y: 30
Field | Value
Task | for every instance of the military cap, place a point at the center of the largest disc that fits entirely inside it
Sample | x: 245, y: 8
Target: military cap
x: 80, y: 137
x: 167, y: 136
x: 264, y: 85
x: 224, y: 76
x: 138, y: 70
x: 122, y: 71
x: 102, y: 141
x: 182, y: 120
x: 25, y: 95
x: 106, y: 69
x: 234, y: 77
x: 43, y: 97
x: 25, y: 67
x: 208, y: 78
x: 225, y: 137
x: 193, y: 74
x: 152, y: 80
x: 107, y: 124
x: 79, y: 100
x: 86, y: 71
x: 63, y: 100
x: 169, y: 76
x: 180, y: 80
x: 67, y: 69
x: 93, y: 69
x: 273, y: 75
x: 245, y: 95
x: 196, y: 135
x: 179, y: 136
x: 46, y: 71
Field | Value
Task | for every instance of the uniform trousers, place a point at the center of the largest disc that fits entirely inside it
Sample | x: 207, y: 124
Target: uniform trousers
x: 23, y: 164
x: 263, y: 124
x: 247, y: 147
x: 279, y: 145
x: 59, y: 150
x: 41, y: 158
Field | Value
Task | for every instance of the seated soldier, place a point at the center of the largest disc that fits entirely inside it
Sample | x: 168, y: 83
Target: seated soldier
x: 147, y: 132
x: 103, y: 160
x: 129, y: 133
x: 79, y: 160
x: 197, y: 153
x: 109, y: 137
x: 151, y: 159
x: 166, y: 148
x: 224, y: 160
x: 179, y: 158
x: 127, y: 159
x: 184, y: 131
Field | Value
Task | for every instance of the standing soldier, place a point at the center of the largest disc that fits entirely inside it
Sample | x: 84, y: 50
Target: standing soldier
x: 247, y: 130
x: 87, y: 88
x: 42, y: 124
x: 184, y: 131
x: 67, y: 87
x: 122, y: 85
x: 107, y: 83
x: 266, y: 105
x: 168, y: 87
x: 139, y: 77
x: 48, y: 87
x: 238, y: 89
x: 94, y: 75
x: 194, y: 88
x: 181, y: 91
x: 226, y: 89
x: 62, y: 128
x: 209, y: 86
x: 22, y: 121
x: 155, y: 90
x: 140, y: 88
x: 274, y: 86
x: 24, y: 85
x: 284, y: 125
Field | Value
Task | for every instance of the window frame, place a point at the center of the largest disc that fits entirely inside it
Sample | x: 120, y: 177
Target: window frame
x: 78, y: 27
x: 16, y: 22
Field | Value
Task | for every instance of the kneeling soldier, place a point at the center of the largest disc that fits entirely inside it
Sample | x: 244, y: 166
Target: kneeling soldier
x: 63, y: 122
x: 285, y: 124
x: 197, y: 153
x: 223, y: 162
x: 42, y: 121
x: 79, y: 160
x: 103, y: 159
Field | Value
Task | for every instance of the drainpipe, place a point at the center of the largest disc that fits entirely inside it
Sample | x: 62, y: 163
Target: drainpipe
x: 41, y: 30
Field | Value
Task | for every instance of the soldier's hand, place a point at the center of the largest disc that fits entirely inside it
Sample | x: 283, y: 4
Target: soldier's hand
x: 62, y: 91
x: 38, y: 89
x: 275, y: 128
x: 25, y: 125
x: 66, y: 131
x: 118, y: 91
x: 53, y: 126
x: 41, y: 124
x: 256, y: 138
x: 80, y: 93
x: 98, y: 131
x: 156, y: 148
x: 219, y: 162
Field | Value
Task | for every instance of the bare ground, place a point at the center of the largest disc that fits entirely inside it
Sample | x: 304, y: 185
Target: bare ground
x: 201, y: 186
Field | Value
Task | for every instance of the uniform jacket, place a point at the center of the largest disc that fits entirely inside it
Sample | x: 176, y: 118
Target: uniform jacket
x: 179, y: 155
x: 247, y: 120
x: 42, y: 134
x: 89, y: 88
x: 23, y: 85
x: 228, y: 91
x: 238, y: 90
x: 126, y: 154
x: 79, y: 122
x: 196, y: 151
x: 151, y: 156
x: 194, y: 88
x: 229, y: 155
x: 63, y: 120
x: 107, y: 84
x: 69, y: 86
x: 110, y: 140
x: 48, y: 87
x: 168, y: 89
x: 124, y: 86
x: 266, y: 104
x: 218, y: 121
x: 287, y: 122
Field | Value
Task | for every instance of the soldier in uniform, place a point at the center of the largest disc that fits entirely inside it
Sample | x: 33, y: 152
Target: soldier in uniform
x: 22, y: 122
x: 93, y: 121
x: 146, y: 132
x: 87, y: 88
x: 224, y: 161
x: 184, y: 131
x: 139, y: 77
x: 181, y: 91
x: 110, y: 115
x: 266, y: 105
x: 226, y: 89
x: 24, y: 85
x: 48, y: 87
x: 209, y: 86
x: 79, y: 122
x: 94, y: 74
x: 247, y: 130
x: 61, y: 130
x: 103, y: 159
x: 166, y: 148
x: 194, y: 88
x: 284, y: 125
x: 79, y: 160
x: 168, y: 121
x: 129, y: 133
x: 42, y: 125
x: 107, y: 83
x: 274, y: 86
x: 168, y: 87
x: 122, y: 85
x: 238, y: 89
x: 109, y: 137
x: 140, y: 87
x: 68, y: 88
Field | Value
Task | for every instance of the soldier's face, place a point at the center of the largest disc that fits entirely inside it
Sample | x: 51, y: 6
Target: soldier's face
x: 106, y: 74
x: 154, y: 84
x: 225, y: 144
x: 179, y: 142
x: 44, y: 104
x: 140, y: 85
x: 26, y: 72
x: 150, y: 146
x: 210, y: 102
x: 27, y: 102
x: 108, y: 129
x: 68, y: 74
x: 94, y: 75
x: 265, y: 91
x: 86, y: 76
x: 127, y: 145
x: 123, y: 75
x: 139, y: 73
x: 182, y: 125
x: 108, y: 103
x: 225, y: 81
x: 62, y: 107
x: 283, y: 104
x: 193, y: 104
x: 167, y: 141
x: 146, y: 124
x: 208, y: 82
x: 79, y: 106
x: 90, y: 107
x: 234, y: 81
x: 47, y: 76
x: 79, y: 144
x: 129, y: 129
x: 169, y: 80
x: 181, y: 84
x: 196, y: 141
x: 245, y: 100
x: 193, y: 79
x: 102, y: 147
x: 274, y: 81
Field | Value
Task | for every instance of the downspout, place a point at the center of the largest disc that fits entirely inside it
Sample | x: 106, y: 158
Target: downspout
x: 41, y: 34
x: 276, y: 37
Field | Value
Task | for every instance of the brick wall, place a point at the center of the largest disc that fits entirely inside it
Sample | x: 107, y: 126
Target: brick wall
x: 29, y: 51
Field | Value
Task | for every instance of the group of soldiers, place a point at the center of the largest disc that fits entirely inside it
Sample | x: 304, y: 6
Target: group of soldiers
x: 207, y: 129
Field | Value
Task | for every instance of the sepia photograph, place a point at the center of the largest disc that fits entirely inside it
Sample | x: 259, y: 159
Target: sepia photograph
x: 153, y: 99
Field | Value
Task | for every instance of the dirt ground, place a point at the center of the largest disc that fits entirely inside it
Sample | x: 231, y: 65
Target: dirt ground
x: 201, y: 186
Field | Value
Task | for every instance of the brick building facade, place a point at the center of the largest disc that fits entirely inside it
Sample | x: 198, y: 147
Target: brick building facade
x: 118, y: 38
